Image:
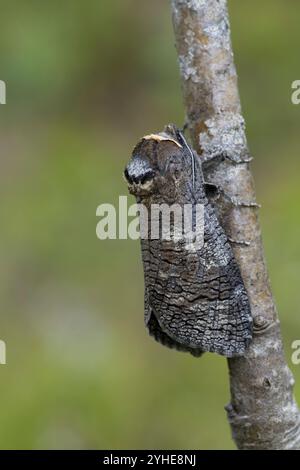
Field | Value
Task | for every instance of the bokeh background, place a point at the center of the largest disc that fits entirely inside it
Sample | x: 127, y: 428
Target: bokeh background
x: 85, y: 79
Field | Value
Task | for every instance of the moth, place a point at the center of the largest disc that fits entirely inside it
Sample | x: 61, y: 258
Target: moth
x: 195, y: 298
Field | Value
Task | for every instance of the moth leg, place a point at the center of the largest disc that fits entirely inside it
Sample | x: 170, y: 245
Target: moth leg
x: 224, y: 156
x: 239, y: 203
x: 215, y: 191
x: 239, y: 242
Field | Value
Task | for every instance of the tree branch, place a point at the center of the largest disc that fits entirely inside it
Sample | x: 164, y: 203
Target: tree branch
x: 262, y: 412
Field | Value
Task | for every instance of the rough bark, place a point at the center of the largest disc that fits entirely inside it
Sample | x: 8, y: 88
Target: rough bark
x: 262, y: 413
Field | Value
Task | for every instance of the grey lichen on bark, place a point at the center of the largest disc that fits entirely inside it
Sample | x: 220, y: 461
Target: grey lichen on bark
x: 263, y: 413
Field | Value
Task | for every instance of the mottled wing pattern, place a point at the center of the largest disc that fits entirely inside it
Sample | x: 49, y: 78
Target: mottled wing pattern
x: 195, y: 300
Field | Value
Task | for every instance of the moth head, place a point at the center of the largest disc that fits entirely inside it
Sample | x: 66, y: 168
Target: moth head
x: 160, y: 164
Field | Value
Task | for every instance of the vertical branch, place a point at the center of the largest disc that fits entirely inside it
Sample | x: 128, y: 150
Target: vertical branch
x: 262, y: 412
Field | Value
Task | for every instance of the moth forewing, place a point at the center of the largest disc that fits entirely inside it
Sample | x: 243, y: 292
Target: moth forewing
x: 195, y: 298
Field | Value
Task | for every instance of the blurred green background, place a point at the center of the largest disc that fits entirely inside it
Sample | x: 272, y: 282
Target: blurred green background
x: 85, y: 79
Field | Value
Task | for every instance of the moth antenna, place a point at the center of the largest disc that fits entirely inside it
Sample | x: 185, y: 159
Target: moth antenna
x: 184, y: 142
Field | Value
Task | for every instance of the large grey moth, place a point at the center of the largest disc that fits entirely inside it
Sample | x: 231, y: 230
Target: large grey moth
x: 195, y: 298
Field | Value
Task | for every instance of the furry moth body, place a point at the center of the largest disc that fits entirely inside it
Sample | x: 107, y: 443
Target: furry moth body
x: 195, y: 300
